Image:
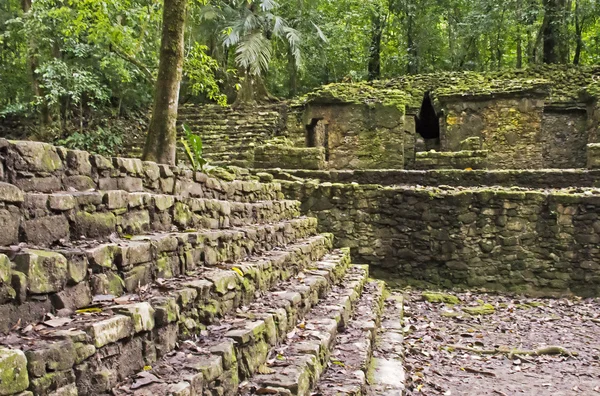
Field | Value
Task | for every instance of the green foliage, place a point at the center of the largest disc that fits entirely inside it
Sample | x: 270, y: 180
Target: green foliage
x: 192, y: 145
x: 102, y: 141
x: 200, y: 70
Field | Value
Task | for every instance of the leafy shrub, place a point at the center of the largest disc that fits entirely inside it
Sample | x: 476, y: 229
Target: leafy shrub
x: 102, y: 141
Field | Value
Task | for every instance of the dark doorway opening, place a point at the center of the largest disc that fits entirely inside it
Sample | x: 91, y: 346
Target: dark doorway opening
x: 317, y: 135
x: 428, y: 122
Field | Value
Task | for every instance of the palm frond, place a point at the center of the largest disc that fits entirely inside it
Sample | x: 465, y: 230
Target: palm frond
x: 320, y: 33
x: 267, y: 5
x: 294, y: 40
x: 254, y: 53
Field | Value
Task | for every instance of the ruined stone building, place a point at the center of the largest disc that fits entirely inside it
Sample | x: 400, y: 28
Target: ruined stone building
x: 125, y: 277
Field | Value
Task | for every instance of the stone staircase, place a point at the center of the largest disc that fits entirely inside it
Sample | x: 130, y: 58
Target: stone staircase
x: 230, y: 136
x: 123, y: 277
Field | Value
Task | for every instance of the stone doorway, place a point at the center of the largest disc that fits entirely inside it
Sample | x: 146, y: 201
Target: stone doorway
x: 428, y: 124
x: 317, y: 135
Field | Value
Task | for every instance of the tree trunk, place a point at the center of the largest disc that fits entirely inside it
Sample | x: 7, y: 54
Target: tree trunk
x: 253, y: 91
x: 374, y: 67
x: 161, y: 141
x: 293, y: 70
x: 579, y: 23
x: 554, y: 38
x: 413, y: 66
x: 32, y: 62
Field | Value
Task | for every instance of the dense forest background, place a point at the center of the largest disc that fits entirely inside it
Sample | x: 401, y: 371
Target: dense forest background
x: 76, y: 64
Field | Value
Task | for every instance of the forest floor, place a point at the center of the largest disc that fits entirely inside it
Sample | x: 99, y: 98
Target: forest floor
x: 451, y: 352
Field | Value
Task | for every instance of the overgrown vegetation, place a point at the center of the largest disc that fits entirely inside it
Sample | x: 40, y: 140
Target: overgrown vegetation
x: 192, y: 144
x: 66, y: 63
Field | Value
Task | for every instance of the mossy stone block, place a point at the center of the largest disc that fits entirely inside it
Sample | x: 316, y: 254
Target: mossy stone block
x: 440, y: 298
x: 14, y: 377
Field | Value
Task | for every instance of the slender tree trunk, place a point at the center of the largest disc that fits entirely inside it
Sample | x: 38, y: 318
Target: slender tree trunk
x: 413, y: 65
x: 374, y: 67
x: 554, y: 39
x: 293, y: 70
x: 579, y: 23
x: 32, y: 62
x: 161, y: 141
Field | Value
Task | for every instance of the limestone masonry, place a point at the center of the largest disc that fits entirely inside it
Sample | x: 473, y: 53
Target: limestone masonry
x: 125, y: 277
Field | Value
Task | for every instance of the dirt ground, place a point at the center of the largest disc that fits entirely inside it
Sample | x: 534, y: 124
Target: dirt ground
x: 443, y: 345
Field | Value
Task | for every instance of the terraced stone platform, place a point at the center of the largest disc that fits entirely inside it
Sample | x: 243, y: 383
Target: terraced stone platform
x: 123, y: 277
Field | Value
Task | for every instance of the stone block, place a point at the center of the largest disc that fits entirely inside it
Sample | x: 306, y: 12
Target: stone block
x: 130, y: 184
x: 78, y: 182
x: 40, y: 184
x: 9, y: 223
x: 116, y: 199
x: 78, y: 162
x: 139, y: 276
x: 14, y: 377
x: 50, y: 356
x: 36, y: 157
x: 46, y: 230
x: 593, y: 156
x: 61, y: 202
x: 141, y: 314
x: 163, y: 202
x: 46, y: 272
x: 107, y: 283
x: 93, y: 225
x: 135, y: 222
x: 103, y: 256
x: 73, y: 298
x: 5, y: 268
x: 10, y: 193
x: 110, y: 330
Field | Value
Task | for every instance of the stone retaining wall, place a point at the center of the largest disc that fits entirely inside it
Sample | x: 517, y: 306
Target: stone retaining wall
x: 522, y: 178
x: 539, y: 242
x: 40, y: 167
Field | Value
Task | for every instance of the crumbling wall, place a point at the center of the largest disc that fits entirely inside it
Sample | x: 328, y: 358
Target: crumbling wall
x: 510, y: 128
x: 565, y: 137
x: 501, y: 239
x: 361, y: 136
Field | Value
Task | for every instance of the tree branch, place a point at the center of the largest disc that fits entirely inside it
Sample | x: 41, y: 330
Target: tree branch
x: 143, y: 68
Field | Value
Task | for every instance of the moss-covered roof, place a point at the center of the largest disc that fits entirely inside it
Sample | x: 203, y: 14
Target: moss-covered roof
x: 355, y: 93
x: 564, y: 82
x: 478, y: 85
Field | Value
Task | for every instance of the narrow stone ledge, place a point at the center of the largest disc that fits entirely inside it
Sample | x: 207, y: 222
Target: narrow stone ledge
x: 307, y: 351
x: 239, y: 345
x: 178, y: 309
x: 346, y: 372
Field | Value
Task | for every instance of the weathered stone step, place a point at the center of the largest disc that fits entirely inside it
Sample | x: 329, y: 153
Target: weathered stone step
x: 40, y: 281
x: 245, y: 153
x: 46, y: 219
x: 96, y: 350
x: 246, y: 148
x: 346, y: 373
x: 40, y: 167
x: 300, y: 361
x: 237, y: 347
x: 386, y: 371
x: 234, y: 162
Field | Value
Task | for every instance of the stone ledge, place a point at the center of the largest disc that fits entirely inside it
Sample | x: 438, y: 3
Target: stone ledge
x: 86, y: 346
x: 44, y: 281
x: 35, y: 166
x: 386, y: 371
x: 46, y: 219
x: 238, y: 346
x: 346, y: 373
x: 308, y: 351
